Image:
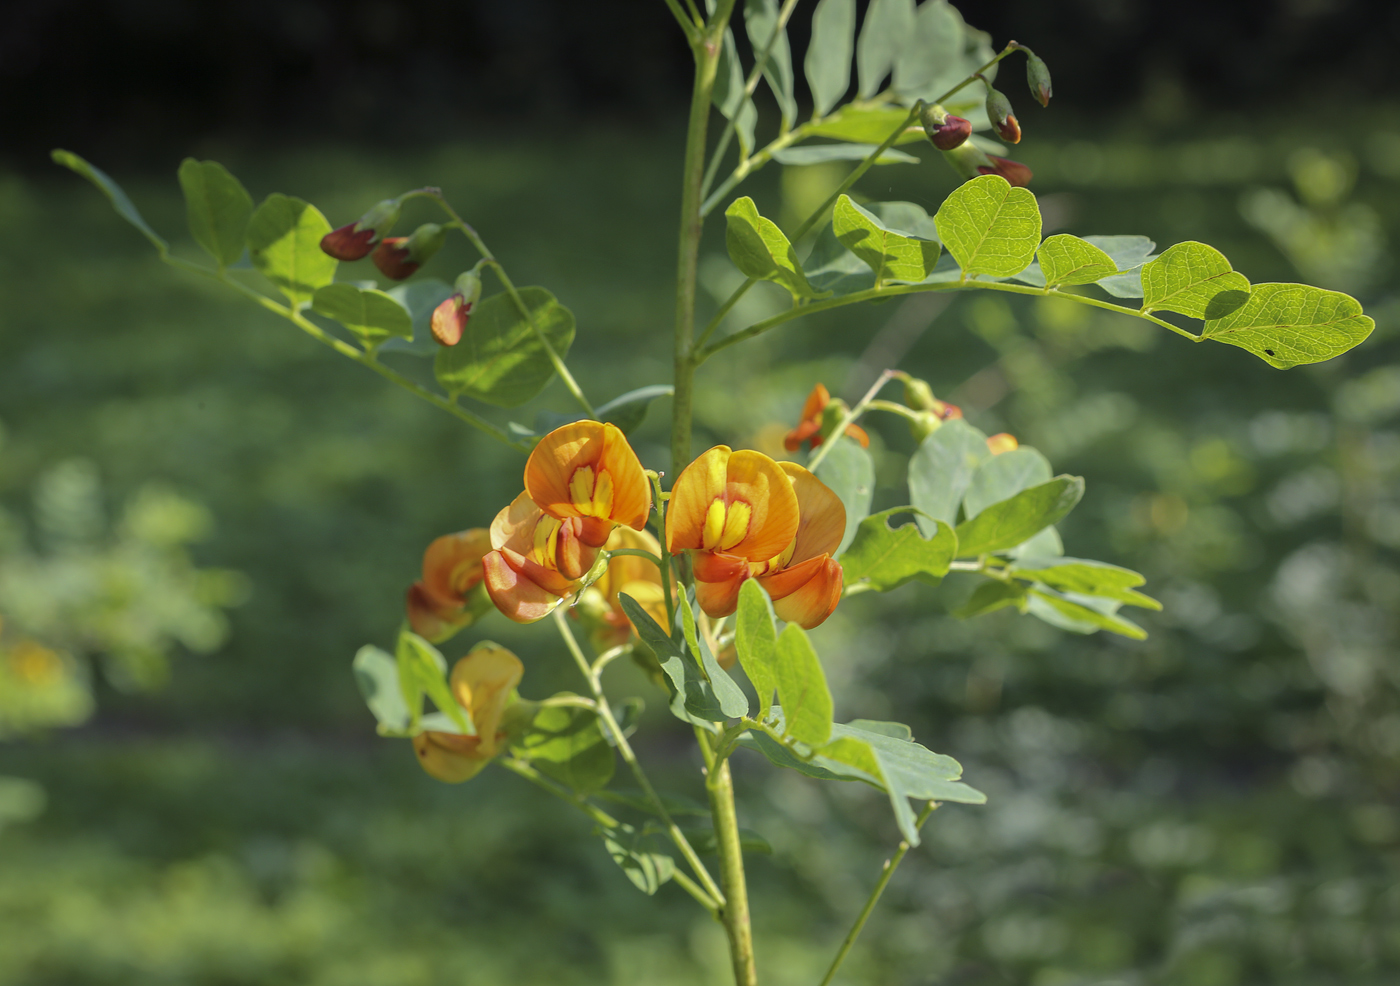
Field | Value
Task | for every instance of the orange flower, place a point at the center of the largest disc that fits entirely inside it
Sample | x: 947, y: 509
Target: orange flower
x: 587, y: 471
x: 483, y: 683
x: 639, y: 577
x: 810, y: 427
x: 536, y: 561
x: 1003, y: 442
x: 438, y: 604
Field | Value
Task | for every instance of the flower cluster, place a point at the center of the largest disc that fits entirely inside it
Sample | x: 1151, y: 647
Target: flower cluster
x: 450, y: 595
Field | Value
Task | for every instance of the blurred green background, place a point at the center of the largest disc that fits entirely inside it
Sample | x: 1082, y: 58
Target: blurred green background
x: 1216, y: 805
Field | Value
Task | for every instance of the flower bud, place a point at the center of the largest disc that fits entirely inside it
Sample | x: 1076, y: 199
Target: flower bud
x: 1003, y: 119
x: 943, y: 129
x: 922, y: 425
x: 1013, y: 171
x: 1003, y: 442
x: 397, y: 257
x: 1038, y: 78
x: 918, y: 395
x: 355, y: 241
x: 968, y: 160
x: 449, y: 319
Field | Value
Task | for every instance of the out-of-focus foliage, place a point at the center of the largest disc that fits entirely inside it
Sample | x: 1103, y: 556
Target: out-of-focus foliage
x: 1215, y: 805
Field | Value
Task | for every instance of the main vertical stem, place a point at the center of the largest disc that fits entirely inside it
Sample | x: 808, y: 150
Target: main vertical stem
x: 719, y: 784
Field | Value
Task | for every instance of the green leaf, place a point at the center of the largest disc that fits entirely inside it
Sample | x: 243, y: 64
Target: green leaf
x: 821, y: 153
x: 933, y: 47
x: 218, y: 207
x: 499, y: 359
x: 891, y: 255
x: 1066, y: 259
x: 828, y: 62
x: 732, y: 700
x: 284, y: 242
x: 1127, y: 252
x: 1289, y: 324
x: 629, y: 410
x: 868, y: 125
x: 1001, y: 477
x: 990, y: 227
x: 420, y: 297
x: 729, y: 96
x: 760, y: 21
x: 832, y: 268
x: 372, y: 315
x: 1081, y: 614
x: 755, y: 640
x: 1193, y: 279
x: 940, y: 472
x: 1089, y: 578
x: 693, y: 698
x: 888, y: 26
x: 423, y: 671
x: 760, y: 249
x: 887, y: 558
x: 634, y: 852
x: 991, y: 596
x: 802, y: 689
x: 567, y: 744
x: 377, y: 675
x: 703, y: 841
x: 849, y: 472
x: 1006, y: 524
x: 114, y: 194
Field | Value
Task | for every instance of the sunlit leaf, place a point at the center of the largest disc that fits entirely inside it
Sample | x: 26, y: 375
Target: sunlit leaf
x: 868, y: 125
x: 886, y: 557
x: 1081, y: 614
x: 761, y: 250
x: 802, y: 688
x: 284, y: 242
x: 423, y: 671
x: 499, y: 359
x: 567, y: 744
x: 420, y: 296
x: 1193, y: 279
x: 377, y: 675
x: 821, y: 153
x: 990, y: 227
x: 371, y: 315
x: 755, y: 640
x: 217, y: 207
x: 1066, y: 259
x: 1006, y: 524
x: 732, y: 700
x: 1090, y: 578
x: 1289, y: 324
x: 692, y: 696
x: 889, y: 254
x: 991, y: 596
x: 1001, y: 477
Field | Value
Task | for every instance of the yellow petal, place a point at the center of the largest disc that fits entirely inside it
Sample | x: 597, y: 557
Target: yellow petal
x: 448, y: 757
x: 700, y: 484
x: 482, y: 683
x: 756, y: 480
x: 588, y: 469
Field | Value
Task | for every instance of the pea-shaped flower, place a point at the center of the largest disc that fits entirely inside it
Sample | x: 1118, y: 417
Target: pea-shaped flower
x: 483, y: 683
x: 587, y: 471
x: 536, y: 560
x: 805, y: 581
x: 443, y: 600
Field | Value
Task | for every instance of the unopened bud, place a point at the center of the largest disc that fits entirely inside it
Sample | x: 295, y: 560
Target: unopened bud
x: 1003, y: 118
x: 397, y: 257
x: 450, y: 318
x: 948, y: 132
x: 355, y: 241
x: 918, y: 395
x: 968, y: 160
x: 1004, y: 442
x: 1038, y: 78
x: 1013, y: 171
x: 923, y: 424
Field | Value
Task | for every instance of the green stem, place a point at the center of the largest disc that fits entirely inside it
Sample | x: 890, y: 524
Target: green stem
x: 666, y: 577
x: 850, y: 415
x: 345, y: 349
x: 630, y: 758
x: 891, y: 865
x: 688, y: 26
x: 719, y: 785
x: 888, y: 291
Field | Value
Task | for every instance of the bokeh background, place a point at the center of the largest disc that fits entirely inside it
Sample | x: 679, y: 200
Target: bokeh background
x: 216, y: 512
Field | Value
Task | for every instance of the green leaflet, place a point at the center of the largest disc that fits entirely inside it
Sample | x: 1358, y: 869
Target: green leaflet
x: 1289, y: 324
x: 499, y: 359
x: 372, y: 315
x: 802, y: 688
x: 1004, y: 525
x: 931, y: 53
x: 990, y: 227
x: 850, y: 473
x: 732, y: 700
x: 419, y: 296
x: 1001, y: 477
x: 377, y: 675
x: 869, y: 125
x: 760, y: 20
x: 761, y: 250
x: 1066, y: 259
x: 756, y: 642
x: 991, y: 596
x: 891, y: 255
x: 217, y: 207
x: 114, y: 193
x: 284, y: 242
x: 729, y: 95
x: 820, y: 153
x: 567, y: 744
x: 1089, y: 578
x: 1193, y: 279
x: 423, y: 671
x: 887, y: 29
x: 886, y: 557
x: 1081, y: 614
x: 828, y: 61
x: 634, y: 852
x: 693, y: 695
x: 941, y: 470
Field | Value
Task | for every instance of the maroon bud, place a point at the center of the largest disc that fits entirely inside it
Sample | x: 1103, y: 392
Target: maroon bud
x: 398, y: 257
x: 950, y: 133
x: 999, y: 112
x: 1013, y: 171
x: 348, y: 242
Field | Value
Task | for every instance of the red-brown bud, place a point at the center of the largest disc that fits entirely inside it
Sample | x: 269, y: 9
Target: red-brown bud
x: 450, y: 318
x: 398, y: 257
x: 1038, y: 78
x: 1013, y: 171
x: 951, y: 132
x: 1003, y: 119
x: 355, y: 241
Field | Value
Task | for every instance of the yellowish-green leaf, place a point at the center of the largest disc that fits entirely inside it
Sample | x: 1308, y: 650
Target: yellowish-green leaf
x: 372, y: 315
x: 893, y: 256
x: 872, y: 125
x: 1066, y: 259
x: 1089, y: 578
x: 886, y: 557
x: 565, y: 743
x: 1193, y: 279
x: 802, y: 689
x: 1075, y: 614
x: 284, y: 242
x: 1289, y: 324
x: 1004, y: 525
x: 990, y: 227
x: 756, y: 642
x: 217, y: 207
x: 114, y: 193
x: 499, y: 359
x: 761, y: 250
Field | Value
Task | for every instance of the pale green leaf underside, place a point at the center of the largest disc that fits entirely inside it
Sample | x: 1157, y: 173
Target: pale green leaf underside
x: 821, y: 153
x: 849, y: 472
x: 941, y: 470
x: 990, y: 227
x: 828, y: 62
x: 1004, y: 525
x: 217, y: 207
x: 867, y: 126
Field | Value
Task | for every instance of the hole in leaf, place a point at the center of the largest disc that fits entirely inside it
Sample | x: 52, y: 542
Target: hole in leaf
x: 1268, y: 352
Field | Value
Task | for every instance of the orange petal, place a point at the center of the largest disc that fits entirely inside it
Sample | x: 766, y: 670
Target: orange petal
x: 813, y: 598
x: 514, y: 526
x: 719, y: 599
x: 431, y: 619
x: 482, y: 683
x: 821, y: 515
x: 805, y: 430
x: 511, y: 583
x: 699, y: 484
x: 718, y: 579
x: 452, y: 564
x: 587, y: 469
x: 1003, y: 442
x: 816, y: 401
x: 448, y: 757
x: 859, y: 434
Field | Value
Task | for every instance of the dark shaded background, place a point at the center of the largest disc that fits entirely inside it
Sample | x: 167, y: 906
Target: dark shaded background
x: 137, y: 80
